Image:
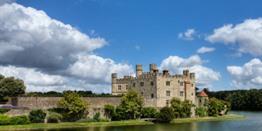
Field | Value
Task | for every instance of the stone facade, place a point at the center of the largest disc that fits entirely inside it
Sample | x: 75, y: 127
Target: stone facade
x: 160, y: 87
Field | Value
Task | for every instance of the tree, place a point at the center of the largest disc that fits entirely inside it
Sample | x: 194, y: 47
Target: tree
x: 73, y: 107
x: 11, y: 87
x: 215, y: 107
x: 37, y: 116
x: 132, y: 104
x: 149, y: 112
x: 181, y: 108
x: 166, y: 114
x: 109, y: 111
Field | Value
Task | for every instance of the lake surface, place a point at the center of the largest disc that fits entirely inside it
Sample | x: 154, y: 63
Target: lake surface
x: 253, y: 122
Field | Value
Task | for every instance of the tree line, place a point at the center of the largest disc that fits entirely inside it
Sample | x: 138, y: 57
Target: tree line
x: 250, y: 100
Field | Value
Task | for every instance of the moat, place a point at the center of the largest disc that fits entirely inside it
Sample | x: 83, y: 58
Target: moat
x: 252, y: 122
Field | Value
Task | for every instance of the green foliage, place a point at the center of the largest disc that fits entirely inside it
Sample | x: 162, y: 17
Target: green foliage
x: 181, y: 109
x: 11, y: 87
x: 149, y: 112
x: 54, y: 117
x: 216, y: 106
x: 241, y: 99
x: 19, y: 120
x: 131, y: 105
x: 166, y: 114
x: 3, y: 111
x: 109, y: 111
x: 72, y: 106
x: 16, y: 120
x: 201, y: 111
x: 4, y: 120
x: 60, y: 94
x: 96, y: 117
x: 37, y: 116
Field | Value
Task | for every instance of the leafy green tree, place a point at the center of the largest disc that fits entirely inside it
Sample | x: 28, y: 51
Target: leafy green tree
x: 109, y: 111
x: 215, y: 106
x: 73, y: 107
x: 131, y: 104
x: 181, y: 108
x: 11, y: 87
x: 201, y: 111
x: 37, y: 116
x: 149, y: 112
x: 166, y: 114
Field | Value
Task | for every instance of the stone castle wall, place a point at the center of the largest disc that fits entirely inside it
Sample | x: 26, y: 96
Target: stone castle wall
x: 96, y: 104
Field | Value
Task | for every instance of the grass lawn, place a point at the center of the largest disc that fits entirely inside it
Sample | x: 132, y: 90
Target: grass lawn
x: 199, y: 119
x: 73, y: 125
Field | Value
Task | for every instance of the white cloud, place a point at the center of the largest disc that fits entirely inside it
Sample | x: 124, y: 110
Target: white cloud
x: 45, y: 53
x: 247, y: 76
x: 204, y: 75
x: 189, y: 34
x: 247, y: 36
x: 204, y: 49
x: 96, y: 69
x: 49, y: 43
x: 32, y: 77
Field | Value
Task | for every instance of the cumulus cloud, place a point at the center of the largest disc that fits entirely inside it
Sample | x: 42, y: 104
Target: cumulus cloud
x: 189, y: 34
x: 32, y: 77
x: 96, y: 69
x: 204, y: 49
x: 49, y: 43
x: 45, y: 52
x: 204, y: 75
x: 247, y: 76
x: 246, y: 36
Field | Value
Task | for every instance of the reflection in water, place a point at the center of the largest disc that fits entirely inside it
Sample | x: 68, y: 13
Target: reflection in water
x: 252, y: 123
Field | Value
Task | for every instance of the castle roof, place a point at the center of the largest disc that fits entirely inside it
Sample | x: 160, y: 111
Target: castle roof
x: 202, y: 94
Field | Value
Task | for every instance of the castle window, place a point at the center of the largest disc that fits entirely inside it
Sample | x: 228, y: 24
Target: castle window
x: 181, y: 83
x: 192, y: 94
x: 119, y: 87
x: 141, y: 83
x: 168, y: 93
x: 192, y: 85
x: 134, y: 84
x: 151, y: 83
x: 142, y: 93
x: 152, y: 95
x: 181, y: 93
x: 126, y: 87
x: 167, y: 83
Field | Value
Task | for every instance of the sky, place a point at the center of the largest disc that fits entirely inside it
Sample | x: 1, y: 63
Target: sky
x: 76, y: 44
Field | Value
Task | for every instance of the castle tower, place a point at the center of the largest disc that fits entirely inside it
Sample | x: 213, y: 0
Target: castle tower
x: 152, y: 68
x: 114, y: 83
x: 139, y: 70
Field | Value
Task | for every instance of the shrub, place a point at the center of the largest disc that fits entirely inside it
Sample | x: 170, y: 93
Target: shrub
x: 201, y: 111
x: 4, y: 120
x: 54, y: 117
x: 149, y: 112
x: 19, y: 120
x: 216, y: 106
x: 37, y: 116
x: 72, y: 106
x: 109, y: 111
x: 3, y: 111
x: 166, y: 114
x: 96, y: 117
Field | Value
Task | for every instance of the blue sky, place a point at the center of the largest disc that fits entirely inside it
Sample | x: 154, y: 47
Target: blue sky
x: 144, y: 32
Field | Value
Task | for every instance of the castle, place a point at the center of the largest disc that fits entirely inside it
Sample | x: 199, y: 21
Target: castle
x: 158, y: 88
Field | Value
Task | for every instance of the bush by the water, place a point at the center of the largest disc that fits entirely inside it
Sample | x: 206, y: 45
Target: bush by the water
x: 109, y: 111
x: 96, y: 117
x: 19, y: 120
x: 216, y: 107
x: 72, y: 107
x: 201, y: 111
x: 54, y: 117
x: 15, y: 120
x: 37, y: 116
x: 149, y: 112
x: 166, y: 114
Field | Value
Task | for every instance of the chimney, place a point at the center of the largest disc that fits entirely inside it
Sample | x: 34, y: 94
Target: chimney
x: 192, y: 76
x: 152, y: 68
x: 114, y: 77
x: 139, y: 70
x: 186, y: 73
x: 165, y: 72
